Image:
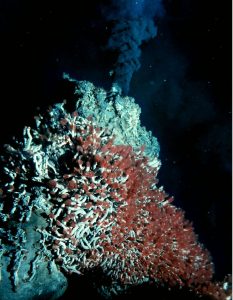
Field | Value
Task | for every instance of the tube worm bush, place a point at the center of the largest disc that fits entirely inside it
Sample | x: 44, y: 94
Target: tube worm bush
x: 101, y: 201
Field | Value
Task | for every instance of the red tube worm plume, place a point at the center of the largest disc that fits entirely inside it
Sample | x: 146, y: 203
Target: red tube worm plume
x: 108, y: 212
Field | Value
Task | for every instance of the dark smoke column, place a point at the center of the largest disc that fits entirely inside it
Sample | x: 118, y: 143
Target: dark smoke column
x: 133, y: 23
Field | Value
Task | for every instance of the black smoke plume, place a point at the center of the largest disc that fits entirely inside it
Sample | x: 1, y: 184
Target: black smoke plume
x: 133, y: 22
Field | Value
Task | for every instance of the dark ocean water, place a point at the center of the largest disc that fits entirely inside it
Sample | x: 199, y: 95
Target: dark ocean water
x: 183, y: 88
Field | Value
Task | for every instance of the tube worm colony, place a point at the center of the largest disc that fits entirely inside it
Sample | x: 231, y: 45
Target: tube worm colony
x: 90, y: 175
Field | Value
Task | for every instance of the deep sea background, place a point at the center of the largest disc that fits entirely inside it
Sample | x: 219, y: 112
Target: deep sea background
x: 183, y: 88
